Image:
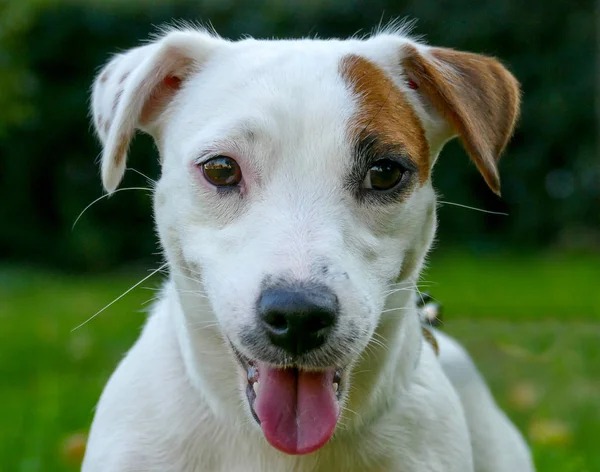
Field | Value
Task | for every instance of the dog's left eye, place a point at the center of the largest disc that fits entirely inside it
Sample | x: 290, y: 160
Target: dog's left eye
x: 384, y: 174
x: 222, y: 171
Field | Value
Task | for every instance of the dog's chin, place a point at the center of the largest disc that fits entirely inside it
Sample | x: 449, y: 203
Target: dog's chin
x: 297, y: 408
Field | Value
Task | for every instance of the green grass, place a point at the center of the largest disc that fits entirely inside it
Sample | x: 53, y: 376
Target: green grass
x: 532, y: 323
x: 516, y: 288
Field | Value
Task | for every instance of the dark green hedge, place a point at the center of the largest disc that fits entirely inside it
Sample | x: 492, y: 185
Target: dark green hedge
x: 50, y: 50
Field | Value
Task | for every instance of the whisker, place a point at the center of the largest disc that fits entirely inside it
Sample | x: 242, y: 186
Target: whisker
x: 200, y: 293
x: 378, y: 343
x: 345, y: 408
x: 152, y: 181
x: 193, y: 271
x: 189, y: 278
x: 105, y: 196
x: 369, y: 350
x: 400, y: 289
x: 433, y: 298
x: 380, y: 336
x: 120, y: 296
x: 150, y: 300
x: 473, y: 208
x: 358, y: 372
x: 419, y: 293
x: 397, y: 290
x: 201, y: 322
x: 152, y: 289
x: 208, y: 326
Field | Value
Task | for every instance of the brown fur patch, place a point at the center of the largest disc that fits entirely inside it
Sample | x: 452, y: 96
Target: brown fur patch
x: 430, y: 338
x: 121, y: 153
x: 385, y: 111
x: 478, y: 97
x: 158, y: 99
x: 165, y: 89
x: 104, y: 77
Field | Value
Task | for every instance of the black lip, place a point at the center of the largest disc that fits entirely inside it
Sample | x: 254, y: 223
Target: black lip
x: 247, y: 365
x: 251, y: 396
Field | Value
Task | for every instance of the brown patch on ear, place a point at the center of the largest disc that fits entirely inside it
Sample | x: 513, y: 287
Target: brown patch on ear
x: 476, y: 95
x: 160, y: 96
x: 158, y: 99
x: 121, y: 153
x: 385, y: 111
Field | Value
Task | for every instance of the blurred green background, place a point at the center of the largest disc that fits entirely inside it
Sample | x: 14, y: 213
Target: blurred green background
x: 521, y: 291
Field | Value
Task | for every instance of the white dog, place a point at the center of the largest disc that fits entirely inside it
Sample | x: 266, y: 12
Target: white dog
x: 295, y: 208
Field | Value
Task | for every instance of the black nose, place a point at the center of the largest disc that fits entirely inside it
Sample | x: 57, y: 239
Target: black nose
x: 298, y: 318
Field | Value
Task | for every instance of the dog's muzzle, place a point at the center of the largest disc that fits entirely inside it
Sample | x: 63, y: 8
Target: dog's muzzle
x: 296, y: 407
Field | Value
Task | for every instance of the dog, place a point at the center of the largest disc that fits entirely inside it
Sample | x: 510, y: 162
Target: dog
x: 295, y: 209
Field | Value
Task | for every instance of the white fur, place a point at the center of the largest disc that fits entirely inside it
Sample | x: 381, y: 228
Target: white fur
x: 176, y: 401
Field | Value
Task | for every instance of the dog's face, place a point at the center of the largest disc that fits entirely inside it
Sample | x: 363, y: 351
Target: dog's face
x: 296, y: 190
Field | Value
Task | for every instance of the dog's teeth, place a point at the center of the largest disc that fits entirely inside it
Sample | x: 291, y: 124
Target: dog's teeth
x: 256, y: 386
x: 336, y: 386
x: 252, y: 374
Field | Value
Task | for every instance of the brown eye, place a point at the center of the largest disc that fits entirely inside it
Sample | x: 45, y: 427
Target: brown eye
x: 222, y: 171
x: 384, y: 175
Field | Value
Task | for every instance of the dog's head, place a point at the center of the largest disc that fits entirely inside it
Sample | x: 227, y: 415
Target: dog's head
x: 296, y: 195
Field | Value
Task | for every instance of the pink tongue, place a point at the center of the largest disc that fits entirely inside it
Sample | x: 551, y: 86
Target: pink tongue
x: 298, y: 410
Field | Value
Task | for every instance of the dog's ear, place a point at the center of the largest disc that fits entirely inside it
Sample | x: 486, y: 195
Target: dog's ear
x: 469, y: 95
x: 134, y: 89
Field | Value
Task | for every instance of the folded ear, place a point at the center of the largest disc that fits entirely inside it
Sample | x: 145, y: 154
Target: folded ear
x: 134, y: 89
x: 468, y: 95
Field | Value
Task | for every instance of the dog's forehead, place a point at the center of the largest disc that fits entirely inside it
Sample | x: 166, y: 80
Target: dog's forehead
x: 326, y: 93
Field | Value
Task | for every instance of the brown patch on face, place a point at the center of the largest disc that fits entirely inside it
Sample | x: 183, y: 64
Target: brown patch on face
x: 385, y: 111
x: 476, y: 95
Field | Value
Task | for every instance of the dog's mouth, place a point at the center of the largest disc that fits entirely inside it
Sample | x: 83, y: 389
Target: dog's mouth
x: 297, y: 409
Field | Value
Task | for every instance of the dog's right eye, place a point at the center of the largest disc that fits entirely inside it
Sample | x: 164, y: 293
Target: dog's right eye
x: 222, y: 171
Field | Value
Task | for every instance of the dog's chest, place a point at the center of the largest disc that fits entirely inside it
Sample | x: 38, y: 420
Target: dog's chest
x: 246, y: 453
